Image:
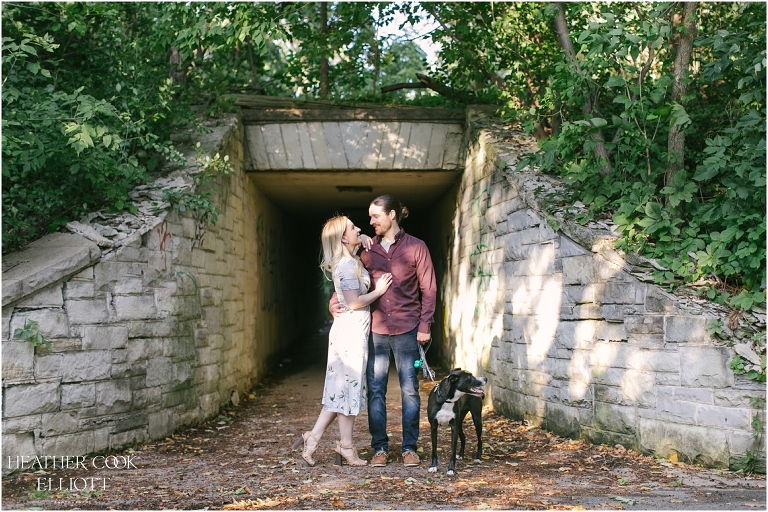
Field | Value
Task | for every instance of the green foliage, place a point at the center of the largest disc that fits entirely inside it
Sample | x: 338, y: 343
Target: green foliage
x: 200, y: 201
x: 31, y: 333
x: 83, y: 113
x: 709, y: 222
x: 753, y: 371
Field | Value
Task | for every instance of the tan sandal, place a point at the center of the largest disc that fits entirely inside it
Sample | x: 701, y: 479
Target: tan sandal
x: 310, y: 443
x: 350, y: 455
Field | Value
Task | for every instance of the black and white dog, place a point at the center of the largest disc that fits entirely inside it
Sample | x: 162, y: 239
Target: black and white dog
x: 449, y: 402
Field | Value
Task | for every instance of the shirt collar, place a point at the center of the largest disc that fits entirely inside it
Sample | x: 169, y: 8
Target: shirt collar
x: 399, y: 235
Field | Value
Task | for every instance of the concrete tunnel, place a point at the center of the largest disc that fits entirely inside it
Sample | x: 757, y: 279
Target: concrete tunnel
x: 313, y: 163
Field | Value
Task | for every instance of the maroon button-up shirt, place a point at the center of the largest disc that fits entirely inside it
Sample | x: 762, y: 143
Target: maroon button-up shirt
x: 410, y: 300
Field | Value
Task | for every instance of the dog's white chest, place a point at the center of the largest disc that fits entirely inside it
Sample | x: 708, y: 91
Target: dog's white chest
x: 445, y: 414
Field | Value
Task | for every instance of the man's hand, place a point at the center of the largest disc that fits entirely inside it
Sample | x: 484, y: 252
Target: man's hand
x: 423, y: 337
x: 337, y: 310
x: 366, y: 241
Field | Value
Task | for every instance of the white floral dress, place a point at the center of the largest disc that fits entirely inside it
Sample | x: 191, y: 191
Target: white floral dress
x: 345, y: 390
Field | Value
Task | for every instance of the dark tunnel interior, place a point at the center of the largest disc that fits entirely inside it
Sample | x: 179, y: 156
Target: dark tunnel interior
x: 312, y: 291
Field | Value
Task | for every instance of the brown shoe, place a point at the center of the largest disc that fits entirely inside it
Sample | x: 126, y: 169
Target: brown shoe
x: 379, y: 460
x: 410, y: 458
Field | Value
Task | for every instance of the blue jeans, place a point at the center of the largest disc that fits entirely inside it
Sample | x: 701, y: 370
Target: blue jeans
x: 406, y: 351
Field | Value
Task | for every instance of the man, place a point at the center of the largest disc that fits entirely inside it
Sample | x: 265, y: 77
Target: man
x: 401, y: 320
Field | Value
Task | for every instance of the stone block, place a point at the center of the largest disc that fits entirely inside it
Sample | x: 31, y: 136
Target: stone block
x: 581, y: 312
x: 654, y: 360
x: 659, y: 301
x: 104, y: 337
x: 6, y: 327
x: 22, y: 424
x: 52, y: 323
x: 18, y: 360
x: 615, y: 293
x: 129, y: 421
x: 615, y: 418
x: 48, y: 297
x: 698, y: 395
x: 129, y: 437
x: 611, y: 331
x: 160, y: 424
x: 77, y: 289
x: 58, y: 423
x: 694, y: 445
x: 682, y: 329
x: 159, y: 371
x: 29, y: 399
x: 577, y: 394
x: 569, y: 248
x: 88, y: 311
x: 723, y: 417
x: 578, y: 270
x: 113, y: 396
x: 644, y: 324
x: 17, y: 445
x: 571, y: 335
x: 126, y: 370
x: 608, y: 376
x: 128, y: 286
x: 562, y: 420
x: 85, y: 366
x: 77, y: 396
x: 135, y: 307
x: 735, y: 397
x: 677, y: 411
x: 704, y: 367
x: 638, y: 388
x: 613, y: 313
x: 578, y: 294
x: 650, y: 341
x: 523, y: 219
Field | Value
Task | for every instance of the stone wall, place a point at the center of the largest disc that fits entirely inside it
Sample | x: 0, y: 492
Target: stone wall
x: 155, y: 323
x: 570, y: 333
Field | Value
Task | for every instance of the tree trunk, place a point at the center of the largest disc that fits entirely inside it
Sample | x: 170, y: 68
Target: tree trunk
x: 324, y: 86
x: 684, y: 29
x: 588, y: 109
x: 375, y: 48
x: 176, y: 67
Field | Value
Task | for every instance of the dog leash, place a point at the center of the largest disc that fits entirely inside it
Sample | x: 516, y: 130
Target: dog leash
x: 422, y: 363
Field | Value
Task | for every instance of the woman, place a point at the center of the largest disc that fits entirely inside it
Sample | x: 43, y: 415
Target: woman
x: 344, y: 393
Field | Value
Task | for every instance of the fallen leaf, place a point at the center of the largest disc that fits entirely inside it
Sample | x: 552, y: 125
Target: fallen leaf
x: 410, y: 481
x: 673, y: 457
x: 478, y: 482
x: 675, y: 501
x: 338, y: 502
x: 483, y: 506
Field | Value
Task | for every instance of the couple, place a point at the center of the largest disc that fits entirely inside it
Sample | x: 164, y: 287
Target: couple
x: 406, y: 292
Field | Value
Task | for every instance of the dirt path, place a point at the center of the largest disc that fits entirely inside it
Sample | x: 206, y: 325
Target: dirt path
x: 242, y: 460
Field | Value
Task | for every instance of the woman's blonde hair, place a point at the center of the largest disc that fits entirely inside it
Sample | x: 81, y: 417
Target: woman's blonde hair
x: 333, y: 248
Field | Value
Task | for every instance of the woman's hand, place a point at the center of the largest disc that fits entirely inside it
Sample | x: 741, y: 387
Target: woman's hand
x: 367, y: 241
x: 383, y: 283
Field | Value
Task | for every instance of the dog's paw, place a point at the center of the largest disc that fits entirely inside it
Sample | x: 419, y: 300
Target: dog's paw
x: 450, y: 472
x: 432, y: 469
x: 459, y: 457
x: 478, y: 461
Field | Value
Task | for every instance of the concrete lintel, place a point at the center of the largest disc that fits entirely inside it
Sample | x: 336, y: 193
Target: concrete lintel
x: 44, y: 262
x: 299, y: 115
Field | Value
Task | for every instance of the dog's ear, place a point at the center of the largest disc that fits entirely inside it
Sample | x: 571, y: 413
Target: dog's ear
x: 456, y: 371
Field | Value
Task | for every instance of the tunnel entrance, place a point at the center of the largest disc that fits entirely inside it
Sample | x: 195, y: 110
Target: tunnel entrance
x: 313, y: 160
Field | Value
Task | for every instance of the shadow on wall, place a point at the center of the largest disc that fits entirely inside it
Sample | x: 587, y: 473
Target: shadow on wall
x: 569, y: 340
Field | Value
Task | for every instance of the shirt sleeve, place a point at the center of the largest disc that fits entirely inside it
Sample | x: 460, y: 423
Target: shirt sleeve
x: 347, y: 276
x: 425, y: 272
